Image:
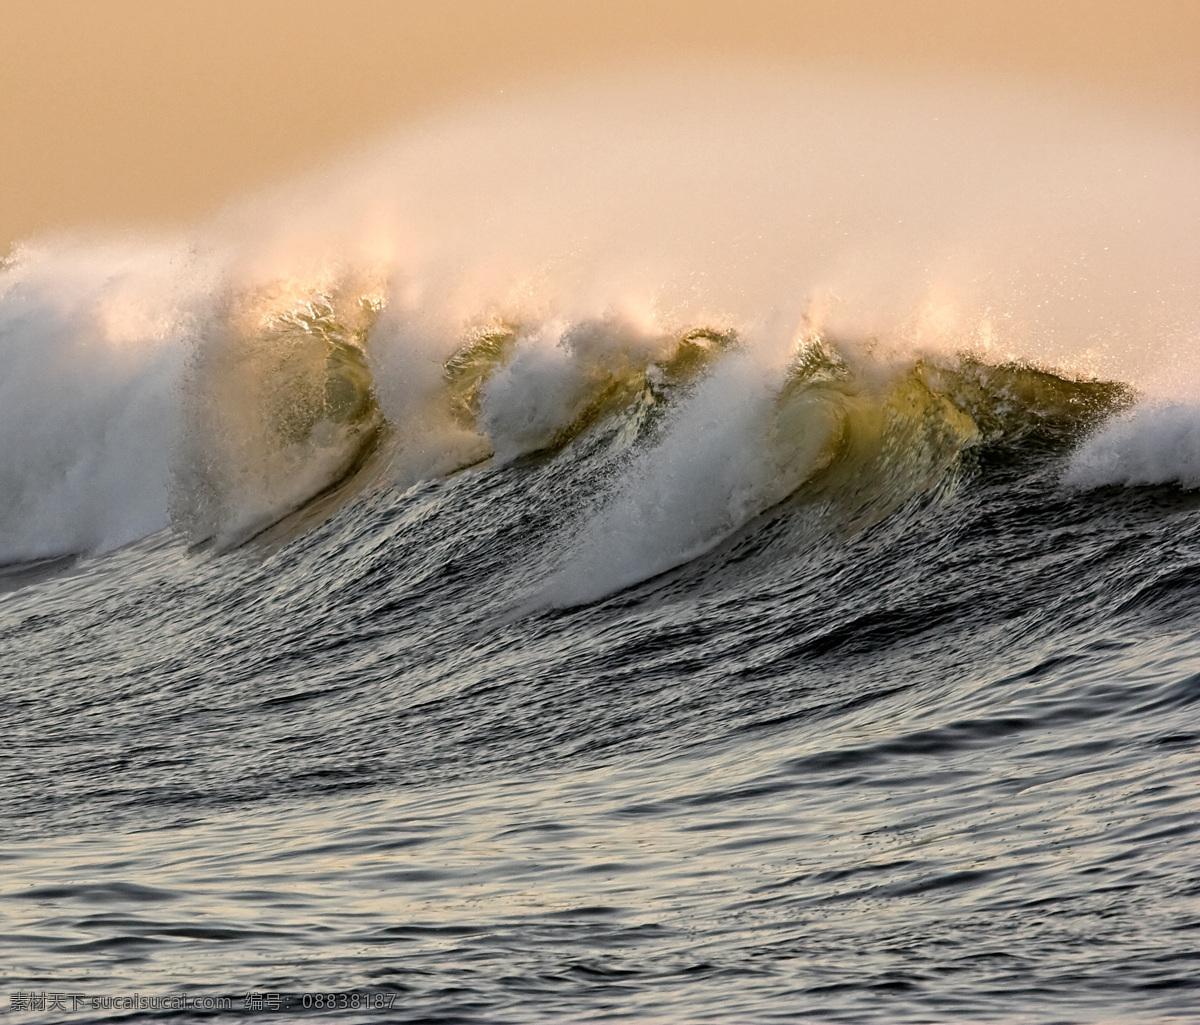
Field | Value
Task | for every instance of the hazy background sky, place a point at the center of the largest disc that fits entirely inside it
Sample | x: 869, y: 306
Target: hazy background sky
x: 132, y: 112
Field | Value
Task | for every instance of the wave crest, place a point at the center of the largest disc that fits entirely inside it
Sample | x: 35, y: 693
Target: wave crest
x: 279, y: 408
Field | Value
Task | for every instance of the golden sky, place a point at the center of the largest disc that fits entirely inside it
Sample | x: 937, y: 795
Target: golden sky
x: 134, y: 112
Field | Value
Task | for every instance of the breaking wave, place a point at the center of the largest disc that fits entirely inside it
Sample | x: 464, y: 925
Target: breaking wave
x: 782, y: 290
x: 1153, y: 444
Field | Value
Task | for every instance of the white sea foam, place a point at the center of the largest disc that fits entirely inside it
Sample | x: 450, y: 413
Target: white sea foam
x: 1154, y: 444
x: 92, y: 345
x: 551, y: 379
x: 538, y: 393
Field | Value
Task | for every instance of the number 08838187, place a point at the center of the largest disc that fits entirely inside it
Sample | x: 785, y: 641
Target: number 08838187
x: 347, y: 1001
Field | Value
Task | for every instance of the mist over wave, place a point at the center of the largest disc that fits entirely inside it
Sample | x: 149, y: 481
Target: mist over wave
x: 490, y: 282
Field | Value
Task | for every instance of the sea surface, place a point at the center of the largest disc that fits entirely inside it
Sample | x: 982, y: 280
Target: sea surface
x: 730, y: 558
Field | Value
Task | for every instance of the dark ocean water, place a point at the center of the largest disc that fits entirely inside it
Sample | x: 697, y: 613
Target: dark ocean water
x: 650, y: 574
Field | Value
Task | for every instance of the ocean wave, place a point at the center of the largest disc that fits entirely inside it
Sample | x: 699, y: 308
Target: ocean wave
x: 498, y: 283
x: 236, y: 416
